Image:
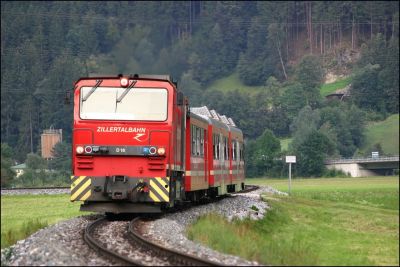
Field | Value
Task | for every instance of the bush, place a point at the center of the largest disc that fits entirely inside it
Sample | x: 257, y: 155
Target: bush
x: 12, y: 236
x: 335, y: 173
x: 42, y: 178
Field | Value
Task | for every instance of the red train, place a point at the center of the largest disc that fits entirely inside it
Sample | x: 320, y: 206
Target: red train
x: 138, y: 147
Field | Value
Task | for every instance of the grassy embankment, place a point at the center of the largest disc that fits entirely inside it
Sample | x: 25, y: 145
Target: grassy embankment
x: 340, y: 221
x: 231, y: 83
x: 385, y: 133
x: 285, y: 143
x: 22, y: 215
x: 329, y: 88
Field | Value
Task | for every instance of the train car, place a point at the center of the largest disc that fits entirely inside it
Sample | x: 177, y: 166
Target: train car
x: 138, y: 147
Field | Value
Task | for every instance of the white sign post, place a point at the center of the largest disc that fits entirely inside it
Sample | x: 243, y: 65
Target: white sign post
x: 290, y: 160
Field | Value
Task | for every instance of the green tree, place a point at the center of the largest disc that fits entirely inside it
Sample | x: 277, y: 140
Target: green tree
x: 346, y: 126
x: 389, y: 78
x: 62, y: 157
x: 312, y: 153
x: 274, y: 90
x: 310, y: 74
x: 365, y: 86
x: 212, y: 66
x: 35, y: 162
x: 265, y: 153
x: 251, y: 63
x: 7, y: 174
x: 191, y: 89
x: 306, y: 122
x: 376, y: 82
x: 293, y: 100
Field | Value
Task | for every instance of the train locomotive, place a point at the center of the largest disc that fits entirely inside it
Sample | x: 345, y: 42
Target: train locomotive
x: 139, y: 147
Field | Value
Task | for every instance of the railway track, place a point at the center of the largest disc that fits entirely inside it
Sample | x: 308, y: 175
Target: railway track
x: 101, y: 248
x: 175, y: 256
x: 35, y: 188
x: 248, y: 188
x: 140, y: 243
x: 62, y: 189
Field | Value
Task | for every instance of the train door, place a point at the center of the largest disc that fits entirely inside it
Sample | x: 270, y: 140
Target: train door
x: 204, y: 150
x: 222, y: 164
x: 201, y: 153
x: 236, y: 159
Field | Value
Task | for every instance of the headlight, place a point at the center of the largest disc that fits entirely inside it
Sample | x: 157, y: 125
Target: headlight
x: 161, y: 151
x: 79, y: 149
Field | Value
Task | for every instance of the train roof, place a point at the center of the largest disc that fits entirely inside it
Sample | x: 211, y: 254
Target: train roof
x: 165, y: 77
x: 214, y: 117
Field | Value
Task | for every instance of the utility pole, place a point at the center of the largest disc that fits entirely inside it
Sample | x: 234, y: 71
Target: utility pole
x: 290, y: 176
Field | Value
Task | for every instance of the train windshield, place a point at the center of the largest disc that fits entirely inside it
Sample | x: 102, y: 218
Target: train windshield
x: 139, y: 104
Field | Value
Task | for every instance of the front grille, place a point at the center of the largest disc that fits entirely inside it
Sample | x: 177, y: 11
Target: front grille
x: 84, y: 162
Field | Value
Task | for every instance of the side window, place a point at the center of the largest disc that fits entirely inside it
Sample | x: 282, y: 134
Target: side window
x: 233, y: 150
x: 225, y: 148
x: 202, y: 142
x: 197, y: 141
x: 241, y: 151
x: 214, y: 151
x: 218, y: 147
x: 193, y: 132
x: 237, y: 151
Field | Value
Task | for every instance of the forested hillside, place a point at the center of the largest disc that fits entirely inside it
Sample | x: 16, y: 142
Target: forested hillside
x: 286, y: 48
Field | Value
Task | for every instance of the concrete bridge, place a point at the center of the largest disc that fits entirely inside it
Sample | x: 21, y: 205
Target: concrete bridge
x: 361, y: 167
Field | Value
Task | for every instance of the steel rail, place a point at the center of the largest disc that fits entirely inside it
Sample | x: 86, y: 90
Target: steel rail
x: 101, y: 249
x: 167, y: 252
x: 249, y: 188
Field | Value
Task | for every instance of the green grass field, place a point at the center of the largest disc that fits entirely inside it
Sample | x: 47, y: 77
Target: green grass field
x: 22, y: 215
x: 329, y: 88
x: 336, y: 221
x: 285, y: 143
x: 386, y: 133
x: 231, y: 83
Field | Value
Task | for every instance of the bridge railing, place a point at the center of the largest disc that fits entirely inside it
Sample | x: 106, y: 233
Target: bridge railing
x: 362, y: 160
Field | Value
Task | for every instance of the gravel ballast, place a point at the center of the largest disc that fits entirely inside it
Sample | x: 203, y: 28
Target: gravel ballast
x: 40, y: 191
x: 62, y: 243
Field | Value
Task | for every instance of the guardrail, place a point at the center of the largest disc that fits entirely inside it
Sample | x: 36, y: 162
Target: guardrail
x: 362, y: 160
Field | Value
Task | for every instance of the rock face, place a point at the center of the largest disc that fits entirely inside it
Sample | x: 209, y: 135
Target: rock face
x: 330, y: 77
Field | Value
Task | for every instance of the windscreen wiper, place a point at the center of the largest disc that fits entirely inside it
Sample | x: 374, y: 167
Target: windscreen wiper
x: 126, y: 91
x: 92, y: 90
